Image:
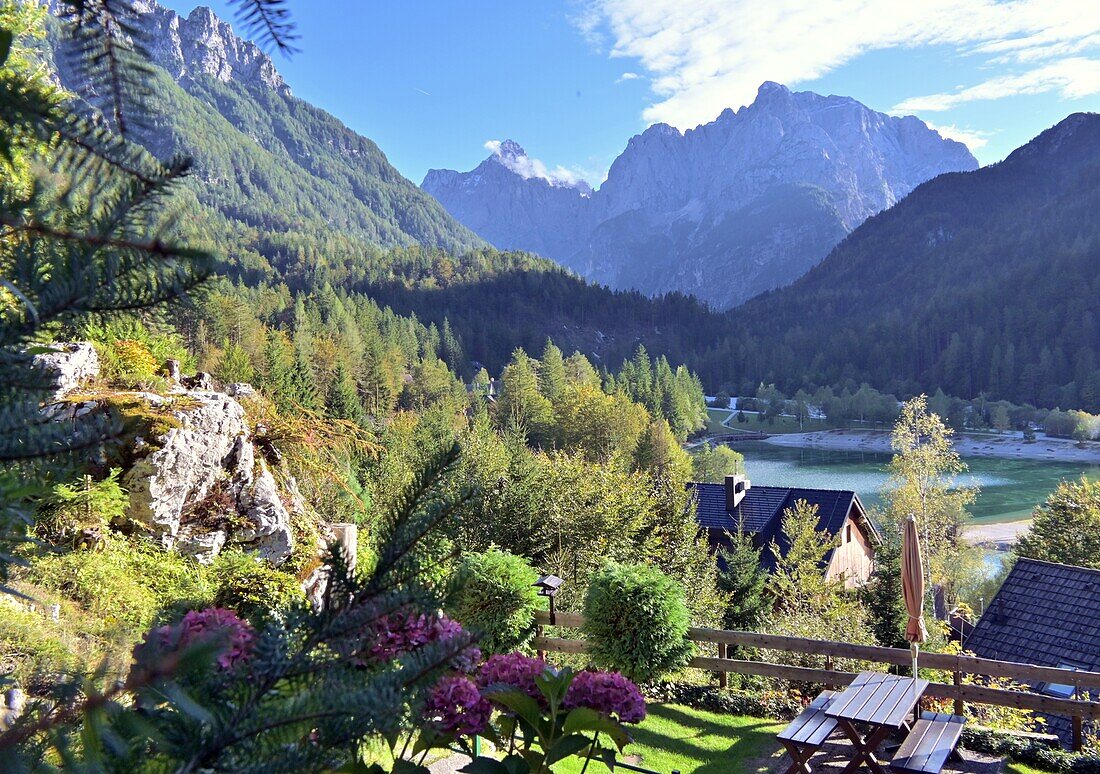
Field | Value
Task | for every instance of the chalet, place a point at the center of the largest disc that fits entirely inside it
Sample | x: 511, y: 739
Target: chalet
x: 1048, y: 615
x: 758, y: 511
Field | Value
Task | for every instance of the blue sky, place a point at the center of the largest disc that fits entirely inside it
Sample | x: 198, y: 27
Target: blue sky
x: 431, y: 82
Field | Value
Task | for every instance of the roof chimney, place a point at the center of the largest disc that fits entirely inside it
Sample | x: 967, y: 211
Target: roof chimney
x: 736, y: 486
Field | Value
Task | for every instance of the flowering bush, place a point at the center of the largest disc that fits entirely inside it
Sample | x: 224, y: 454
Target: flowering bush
x: 217, y: 626
x: 456, y: 706
x: 514, y: 669
x: 392, y: 636
x: 546, y: 715
x: 606, y: 692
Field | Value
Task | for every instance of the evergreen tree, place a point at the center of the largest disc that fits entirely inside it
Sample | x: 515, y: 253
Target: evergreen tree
x: 342, y: 400
x: 741, y: 577
x: 234, y: 365
x: 882, y: 595
x: 660, y: 454
x: 521, y: 407
x: 551, y: 372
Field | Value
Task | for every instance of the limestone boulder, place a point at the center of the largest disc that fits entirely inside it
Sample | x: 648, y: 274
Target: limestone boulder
x: 68, y: 365
x: 208, y: 466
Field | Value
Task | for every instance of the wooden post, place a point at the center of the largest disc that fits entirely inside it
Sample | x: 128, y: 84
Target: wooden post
x: 1078, y: 736
x: 959, y: 706
x: 829, y: 668
x: 538, y: 633
x: 723, y: 677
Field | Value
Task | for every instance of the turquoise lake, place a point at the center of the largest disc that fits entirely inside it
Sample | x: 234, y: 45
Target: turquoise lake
x: 1010, y: 488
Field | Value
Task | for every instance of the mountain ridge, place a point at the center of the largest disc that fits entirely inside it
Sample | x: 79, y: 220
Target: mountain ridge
x: 977, y: 282
x: 679, y: 186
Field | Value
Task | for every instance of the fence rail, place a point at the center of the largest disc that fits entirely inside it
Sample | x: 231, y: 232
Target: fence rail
x: 959, y: 666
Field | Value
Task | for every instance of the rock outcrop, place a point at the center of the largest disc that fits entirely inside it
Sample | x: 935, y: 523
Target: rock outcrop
x: 744, y: 204
x: 207, y: 468
x: 67, y: 366
x: 203, y: 44
x: 198, y: 485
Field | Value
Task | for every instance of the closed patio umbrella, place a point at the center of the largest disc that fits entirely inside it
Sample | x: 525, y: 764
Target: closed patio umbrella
x: 912, y: 588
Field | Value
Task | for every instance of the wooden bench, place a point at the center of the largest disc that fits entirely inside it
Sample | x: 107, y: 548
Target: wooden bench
x: 806, y: 733
x: 928, y: 746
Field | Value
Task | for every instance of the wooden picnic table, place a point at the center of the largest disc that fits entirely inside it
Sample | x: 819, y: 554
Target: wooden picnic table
x: 879, y: 703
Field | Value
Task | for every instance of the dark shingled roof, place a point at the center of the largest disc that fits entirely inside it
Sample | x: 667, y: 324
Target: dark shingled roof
x: 760, y: 513
x: 762, y: 504
x: 1044, y: 614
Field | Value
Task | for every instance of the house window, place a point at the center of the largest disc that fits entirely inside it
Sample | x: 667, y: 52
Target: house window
x: 848, y: 534
x: 1059, y: 690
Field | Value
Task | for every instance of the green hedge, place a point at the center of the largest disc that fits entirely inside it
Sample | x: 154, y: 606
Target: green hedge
x: 1035, y: 752
x: 636, y: 621
x: 497, y: 599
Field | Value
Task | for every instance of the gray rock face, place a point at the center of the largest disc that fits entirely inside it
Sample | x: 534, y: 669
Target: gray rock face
x: 210, y: 456
x: 727, y: 210
x: 68, y: 366
x: 203, y: 44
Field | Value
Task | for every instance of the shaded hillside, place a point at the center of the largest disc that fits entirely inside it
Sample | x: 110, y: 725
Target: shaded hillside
x: 982, y: 281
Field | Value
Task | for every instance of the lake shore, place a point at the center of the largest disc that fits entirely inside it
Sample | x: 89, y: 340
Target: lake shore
x: 1011, y: 447
x: 1000, y: 536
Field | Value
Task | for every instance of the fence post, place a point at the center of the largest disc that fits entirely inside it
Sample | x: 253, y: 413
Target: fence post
x: 829, y: 668
x: 1078, y: 736
x: 957, y: 678
x: 538, y: 633
x: 723, y: 677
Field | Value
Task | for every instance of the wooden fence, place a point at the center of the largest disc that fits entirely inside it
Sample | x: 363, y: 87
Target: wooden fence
x: 958, y: 665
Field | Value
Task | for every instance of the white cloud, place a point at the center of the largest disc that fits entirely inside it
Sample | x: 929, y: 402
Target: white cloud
x: 516, y: 159
x: 707, y: 55
x: 627, y: 77
x: 1072, y: 77
x: 971, y: 138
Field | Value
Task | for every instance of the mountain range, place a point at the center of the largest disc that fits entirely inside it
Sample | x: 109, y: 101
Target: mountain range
x: 980, y: 281
x: 744, y: 204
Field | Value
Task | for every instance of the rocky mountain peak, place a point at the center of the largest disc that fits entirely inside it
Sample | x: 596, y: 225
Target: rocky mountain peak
x: 204, y: 44
x: 726, y: 210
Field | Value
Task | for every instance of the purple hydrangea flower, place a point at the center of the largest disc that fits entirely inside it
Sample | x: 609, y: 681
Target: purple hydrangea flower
x: 456, y: 707
x: 606, y: 692
x: 513, y: 669
x: 392, y: 636
x: 233, y: 636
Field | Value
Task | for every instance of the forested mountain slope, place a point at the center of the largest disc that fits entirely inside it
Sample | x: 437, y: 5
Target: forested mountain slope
x: 983, y: 281
x: 264, y: 159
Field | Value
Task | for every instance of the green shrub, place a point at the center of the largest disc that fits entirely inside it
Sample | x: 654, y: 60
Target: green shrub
x: 84, y: 504
x: 497, y: 600
x: 251, y: 587
x: 131, y: 355
x: 757, y: 703
x: 636, y: 621
x: 126, y: 586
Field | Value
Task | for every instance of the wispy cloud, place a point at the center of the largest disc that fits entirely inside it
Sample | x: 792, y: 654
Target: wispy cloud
x: 971, y: 138
x: 1071, y: 77
x: 707, y: 55
x: 627, y: 77
x: 516, y: 159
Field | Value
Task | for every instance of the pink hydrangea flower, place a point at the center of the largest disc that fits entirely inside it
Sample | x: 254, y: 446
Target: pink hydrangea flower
x: 456, y: 707
x: 606, y: 692
x: 392, y: 636
x: 513, y: 669
x: 234, y: 637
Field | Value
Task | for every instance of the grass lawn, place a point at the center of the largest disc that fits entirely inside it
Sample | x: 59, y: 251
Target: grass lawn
x: 755, y: 423
x: 675, y: 737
